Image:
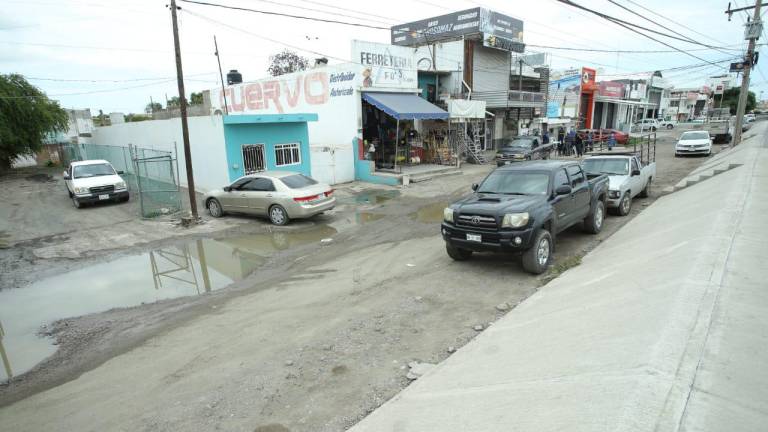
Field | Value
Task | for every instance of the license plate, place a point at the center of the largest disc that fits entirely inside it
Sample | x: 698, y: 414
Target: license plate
x: 474, y: 237
x: 104, y: 197
x: 506, y: 162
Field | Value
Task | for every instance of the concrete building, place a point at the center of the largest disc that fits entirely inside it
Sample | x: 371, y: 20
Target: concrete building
x: 687, y: 103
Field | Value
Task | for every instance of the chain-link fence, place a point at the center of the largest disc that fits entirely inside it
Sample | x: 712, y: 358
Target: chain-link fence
x: 151, y: 174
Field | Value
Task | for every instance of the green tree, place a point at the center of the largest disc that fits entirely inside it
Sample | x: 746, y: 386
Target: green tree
x: 196, y: 98
x: 137, y: 118
x: 173, y: 102
x: 286, y: 62
x: 731, y: 100
x: 26, y: 117
x: 152, y: 107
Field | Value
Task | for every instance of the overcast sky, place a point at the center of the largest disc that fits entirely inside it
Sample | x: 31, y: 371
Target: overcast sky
x: 126, y: 47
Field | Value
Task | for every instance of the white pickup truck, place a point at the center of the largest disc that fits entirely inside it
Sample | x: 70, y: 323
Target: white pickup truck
x: 628, y: 177
x: 94, y: 181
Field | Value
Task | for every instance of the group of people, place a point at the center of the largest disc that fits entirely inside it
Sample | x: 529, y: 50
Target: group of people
x: 573, y: 143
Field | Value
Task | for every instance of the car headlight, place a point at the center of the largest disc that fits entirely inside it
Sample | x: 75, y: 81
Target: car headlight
x: 514, y: 220
x: 120, y: 185
x: 613, y: 194
x: 448, y: 215
x: 82, y: 190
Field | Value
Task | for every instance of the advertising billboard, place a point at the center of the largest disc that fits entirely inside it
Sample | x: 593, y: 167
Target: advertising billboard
x: 611, y: 89
x: 588, y: 79
x: 564, y: 95
x: 386, y: 65
x: 457, y: 24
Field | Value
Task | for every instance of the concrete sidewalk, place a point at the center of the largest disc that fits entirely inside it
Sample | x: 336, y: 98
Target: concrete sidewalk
x: 664, y: 327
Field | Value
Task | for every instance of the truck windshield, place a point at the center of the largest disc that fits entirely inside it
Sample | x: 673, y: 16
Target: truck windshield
x: 694, y: 136
x: 606, y: 166
x: 515, y: 183
x: 94, y: 170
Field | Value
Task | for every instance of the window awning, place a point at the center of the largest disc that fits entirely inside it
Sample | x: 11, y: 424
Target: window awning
x: 404, y: 106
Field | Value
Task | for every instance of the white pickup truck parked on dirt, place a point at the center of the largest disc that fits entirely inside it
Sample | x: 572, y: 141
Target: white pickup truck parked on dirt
x: 628, y: 177
x: 94, y: 181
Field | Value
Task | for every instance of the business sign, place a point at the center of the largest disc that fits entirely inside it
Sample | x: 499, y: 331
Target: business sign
x: 692, y: 96
x: 505, y: 44
x: 564, y: 94
x: 457, y: 24
x: 719, y: 89
x: 588, y: 79
x: 737, y: 67
x: 611, y: 89
x: 386, y: 65
x: 299, y: 92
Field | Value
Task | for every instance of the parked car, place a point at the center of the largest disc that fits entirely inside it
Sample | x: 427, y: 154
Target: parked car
x: 278, y: 195
x: 522, y: 148
x: 628, y: 177
x: 521, y: 208
x: 694, y: 142
x: 648, y: 125
x: 750, y: 118
x: 602, y: 135
x: 93, y: 181
x: 667, y: 124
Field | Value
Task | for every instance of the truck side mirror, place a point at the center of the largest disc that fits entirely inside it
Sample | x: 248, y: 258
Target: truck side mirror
x: 475, y: 186
x: 636, y: 172
x: 66, y: 175
x: 563, y: 190
x: 227, y: 189
x: 120, y: 172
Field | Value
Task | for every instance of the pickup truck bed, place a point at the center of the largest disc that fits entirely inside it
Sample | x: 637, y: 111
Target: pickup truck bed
x: 521, y: 208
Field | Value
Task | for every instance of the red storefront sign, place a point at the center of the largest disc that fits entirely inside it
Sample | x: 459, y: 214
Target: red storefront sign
x: 611, y: 89
x: 588, y: 79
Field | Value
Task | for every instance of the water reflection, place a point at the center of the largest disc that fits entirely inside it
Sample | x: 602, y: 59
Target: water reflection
x: 196, y: 267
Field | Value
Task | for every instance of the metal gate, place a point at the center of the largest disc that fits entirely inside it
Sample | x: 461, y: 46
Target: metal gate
x: 253, y: 158
x: 156, y: 181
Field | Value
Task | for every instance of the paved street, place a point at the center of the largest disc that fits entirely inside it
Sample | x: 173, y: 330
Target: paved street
x: 324, y: 329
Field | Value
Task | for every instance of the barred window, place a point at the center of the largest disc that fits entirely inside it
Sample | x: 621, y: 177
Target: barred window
x: 287, y: 154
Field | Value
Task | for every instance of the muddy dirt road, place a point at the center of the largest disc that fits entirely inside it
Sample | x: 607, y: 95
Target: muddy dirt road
x: 315, y: 333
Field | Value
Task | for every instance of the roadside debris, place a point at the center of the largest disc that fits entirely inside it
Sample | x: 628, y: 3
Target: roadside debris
x: 289, y: 362
x: 478, y: 327
x: 451, y: 349
x: 502, y: 307
x: 418, y: 369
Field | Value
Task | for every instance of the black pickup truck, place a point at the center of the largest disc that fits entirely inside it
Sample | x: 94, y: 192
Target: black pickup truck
x: 521, y: 208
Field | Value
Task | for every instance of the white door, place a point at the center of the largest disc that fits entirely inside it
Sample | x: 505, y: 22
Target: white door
x: 636, y: 181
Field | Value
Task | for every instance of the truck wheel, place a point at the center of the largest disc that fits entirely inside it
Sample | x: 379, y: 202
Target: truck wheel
x: 77, y: 203
x: 646, y: 192
x: 593, y: 223
x: 457, y: 254
x: 537, y: 258
x: 625, y: 205
x: 669, y: 126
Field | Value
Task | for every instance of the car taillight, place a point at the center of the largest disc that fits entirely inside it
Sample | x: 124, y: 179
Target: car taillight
x: 329, y: 193
x: 305, y: 199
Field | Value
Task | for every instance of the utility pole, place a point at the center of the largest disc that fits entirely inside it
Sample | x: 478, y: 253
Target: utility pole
x: 183, y: 110
x: 218, y: 59
x: 748, y: 63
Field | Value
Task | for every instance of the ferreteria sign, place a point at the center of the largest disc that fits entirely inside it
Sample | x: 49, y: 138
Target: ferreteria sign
x: 457, y: 24
x: 386, y: 65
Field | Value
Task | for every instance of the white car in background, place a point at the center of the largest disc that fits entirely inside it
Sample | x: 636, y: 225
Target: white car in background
x: 93, y: 181
x: 694, y: 142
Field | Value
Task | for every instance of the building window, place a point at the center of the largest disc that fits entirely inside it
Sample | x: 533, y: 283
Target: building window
x: 287, y: 154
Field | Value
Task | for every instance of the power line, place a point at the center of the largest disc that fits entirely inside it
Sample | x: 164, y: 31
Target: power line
x: 113, y: 80
x: 619, y: 51
x: 318, y: 10
x: 284, y: 14
x: 89, y: 92
x: 664, y: 27
x: 627, y: 26
x: 672, y: 21
x: 350, y: 10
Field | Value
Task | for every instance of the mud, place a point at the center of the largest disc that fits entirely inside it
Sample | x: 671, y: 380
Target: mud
x: 349, y: 315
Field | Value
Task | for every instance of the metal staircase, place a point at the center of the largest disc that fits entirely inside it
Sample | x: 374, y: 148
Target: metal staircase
x: 470, y: 145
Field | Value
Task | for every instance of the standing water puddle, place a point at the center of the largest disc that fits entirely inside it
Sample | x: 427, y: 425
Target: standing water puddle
x: 370, y: 197
x: 192, y: 268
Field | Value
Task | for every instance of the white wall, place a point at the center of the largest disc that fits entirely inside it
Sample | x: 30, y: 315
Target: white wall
x: 206, y: 136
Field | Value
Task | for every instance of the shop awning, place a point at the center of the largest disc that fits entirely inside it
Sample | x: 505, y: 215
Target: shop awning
x: 404, y: 106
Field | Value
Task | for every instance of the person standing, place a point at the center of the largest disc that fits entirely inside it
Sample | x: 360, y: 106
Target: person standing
x: 590, y: 141
x: 570, y: 142
x: 545, y: 138
x: 560, y: 140
x: 579, y: 144
x: 611, y: 141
